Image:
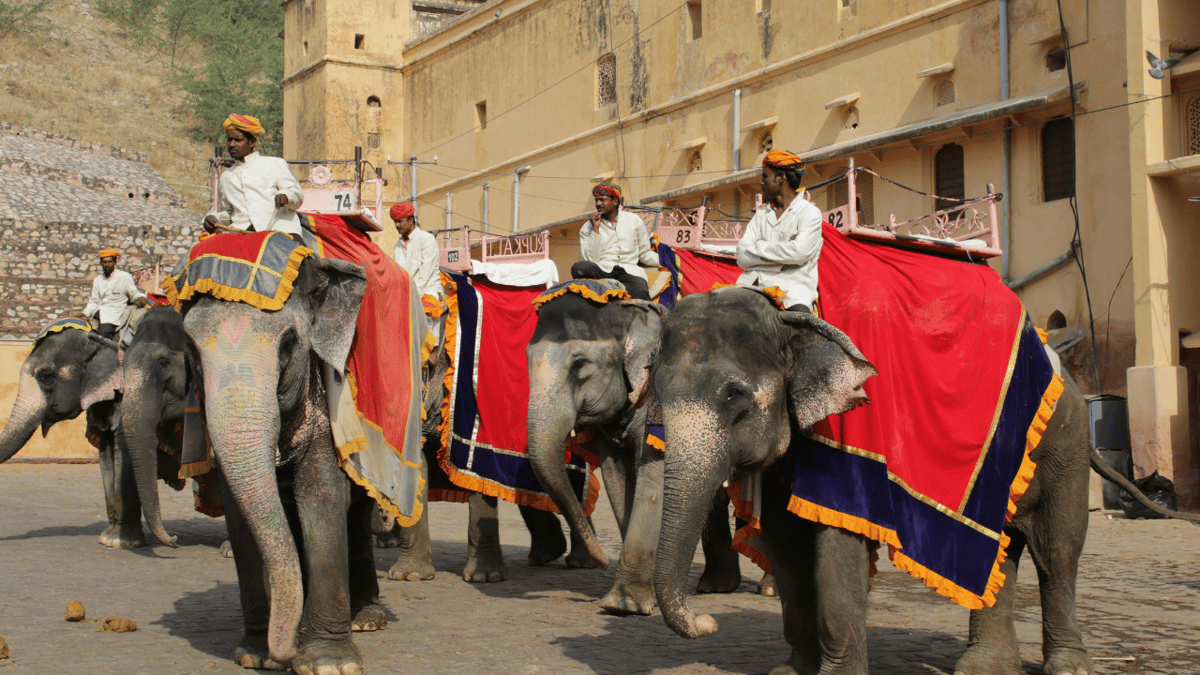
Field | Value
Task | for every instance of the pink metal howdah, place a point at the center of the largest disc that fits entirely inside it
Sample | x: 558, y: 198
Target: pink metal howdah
x: 517, y: 248
x: 969, y: 229
x: 454, y: 251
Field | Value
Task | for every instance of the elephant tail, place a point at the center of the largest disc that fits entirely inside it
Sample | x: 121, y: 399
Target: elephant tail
x: 1101, y: 467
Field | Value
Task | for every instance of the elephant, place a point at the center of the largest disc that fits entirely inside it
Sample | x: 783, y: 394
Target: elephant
x: 589, y: 367
x: 66, y: 373
x: 287, y: 501
x: 738, y: 382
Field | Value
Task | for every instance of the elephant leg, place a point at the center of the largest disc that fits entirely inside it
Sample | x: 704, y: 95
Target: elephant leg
x: 822, y: 577
x: 1055, y: 539
x: 992, y: 648
x: 108, y: 476
x: 322, y: 494
x: 485, y: 560
x: 619, y: 474
x: 416, y: 550
x: 579, y: 558
x: 252, y: 651
x: 767, y: 585
x: 546, y: 540
x: 722, y: 571
x: 633, y: 590
x: 369, y: 614
x: 127, y: 507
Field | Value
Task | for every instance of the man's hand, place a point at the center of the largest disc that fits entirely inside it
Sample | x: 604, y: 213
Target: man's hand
x: 141, y: 302
x: 281, y: 201
x: 595, y: 219
x: 210, y: 224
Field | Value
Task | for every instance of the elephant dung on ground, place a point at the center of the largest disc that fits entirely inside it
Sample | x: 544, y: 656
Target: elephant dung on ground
x: 737, y: 380
x: 283, y: 490
x: 70, y: 371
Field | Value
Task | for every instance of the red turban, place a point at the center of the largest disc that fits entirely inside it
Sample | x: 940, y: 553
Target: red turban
x: 245, y: 123
x: 402, y: 210
x: 607, y: 190
x: 782, y: 159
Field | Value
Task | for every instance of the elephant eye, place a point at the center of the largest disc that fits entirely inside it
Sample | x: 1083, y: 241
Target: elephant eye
x: 287, y: 344
x: 44, y: 375
x: 579, y: 363
x: 164, y: 362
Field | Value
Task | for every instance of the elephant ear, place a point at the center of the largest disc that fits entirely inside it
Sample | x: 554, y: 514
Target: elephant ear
x: 336, y: 301
x: 641, y: 347
x: 827, y: 371
x: 103, y: 377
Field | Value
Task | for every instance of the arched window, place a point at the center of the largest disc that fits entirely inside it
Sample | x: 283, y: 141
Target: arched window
x: 948, y: 175
x: 1058, y: 159
x: 606, y: 81
x: 373, y: 102
x: 1192, y: 123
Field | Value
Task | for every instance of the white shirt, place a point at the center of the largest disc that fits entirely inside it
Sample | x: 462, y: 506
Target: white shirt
x: 419, y: 257
x: 248, y: 192
x: 626, y: 244
x: 111, y: 296
x: 783, y: 251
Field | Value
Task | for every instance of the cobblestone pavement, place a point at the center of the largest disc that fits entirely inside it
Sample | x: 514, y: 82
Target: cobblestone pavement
x: 1138, y: 595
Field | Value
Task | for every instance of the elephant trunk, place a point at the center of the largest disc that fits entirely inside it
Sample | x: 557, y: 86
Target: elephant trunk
x: 547, y: 439
x: 693, y: 471
x: 27, y: 413
x: 139, y: 426
x: 244, y: 424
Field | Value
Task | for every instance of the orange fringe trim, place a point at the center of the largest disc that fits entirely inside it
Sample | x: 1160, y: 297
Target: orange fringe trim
x: 775, y: 293
x: 744, y: 509
x: 580, y: 289
x: 656, y: 443
x: 475, y: 483
x: 222, y: 292
x: 942, y: 585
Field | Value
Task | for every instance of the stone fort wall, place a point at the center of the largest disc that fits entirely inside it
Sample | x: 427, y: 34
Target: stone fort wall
x: 63, y: 199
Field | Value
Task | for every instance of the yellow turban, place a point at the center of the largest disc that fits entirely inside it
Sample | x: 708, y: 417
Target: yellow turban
x: 782, y: 159
x: 109, y: 253
x: 244, y: 123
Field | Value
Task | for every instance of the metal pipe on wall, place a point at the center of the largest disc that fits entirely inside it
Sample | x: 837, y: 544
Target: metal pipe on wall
x: 737, y: 128
x: 1005, y: 149
x: 486, y: 210
x: 1043, y: 270
x: 449, y: 209
x: 516, y: 214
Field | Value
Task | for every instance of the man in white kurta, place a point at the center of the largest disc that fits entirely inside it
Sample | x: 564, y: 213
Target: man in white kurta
x: 113, y: 293
x: 614, y: 244
x: 257, y: 192
x: 416, y: 252
x: 782, y: 242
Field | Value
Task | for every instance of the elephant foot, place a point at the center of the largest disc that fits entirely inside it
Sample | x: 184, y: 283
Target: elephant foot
x: 226, y: 549
x: 579, y: 558
x: 389, y: 539
x: 982, y: 660
x: 719, y: 580
x: 123, y: 535
x: 1067, y: 661
x: 484, y: 567
x: 370, y: 618
x: 767, y: 586
x: 252, y: 654
x: 625, y: 599
x: 546, y: 547
x: 411, y: 568
x: 328, y: 657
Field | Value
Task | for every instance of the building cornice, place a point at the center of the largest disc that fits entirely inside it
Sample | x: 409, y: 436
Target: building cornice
x: 467, y: 26
x: 340, y: 61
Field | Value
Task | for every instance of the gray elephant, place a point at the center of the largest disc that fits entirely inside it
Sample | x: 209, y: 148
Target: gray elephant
x: 285, y: 497
x: 589, y: 367
x: 737, y: 382
x: 67, y: 372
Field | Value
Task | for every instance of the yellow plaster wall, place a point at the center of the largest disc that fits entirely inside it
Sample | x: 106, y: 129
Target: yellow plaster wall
x: 65, y: 440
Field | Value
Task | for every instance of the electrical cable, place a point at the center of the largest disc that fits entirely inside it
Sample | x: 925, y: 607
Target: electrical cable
x: 1077, y: 241
x: 1108, y: 317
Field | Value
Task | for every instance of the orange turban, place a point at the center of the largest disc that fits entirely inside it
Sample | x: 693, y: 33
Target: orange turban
x: 244, y: 123
x: 782, y: 159
x: 607, y: 190
x: 402, y: 210
x: 109, y: 253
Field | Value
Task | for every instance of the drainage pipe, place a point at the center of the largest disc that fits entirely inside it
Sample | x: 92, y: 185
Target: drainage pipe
x: 737, y: 128
x: 1043, y: 270
x: 486, y: 210
x: 1005, y: 149
x: 517, y: 195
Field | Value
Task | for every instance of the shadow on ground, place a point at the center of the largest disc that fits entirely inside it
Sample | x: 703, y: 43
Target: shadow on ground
x: 210, y: 620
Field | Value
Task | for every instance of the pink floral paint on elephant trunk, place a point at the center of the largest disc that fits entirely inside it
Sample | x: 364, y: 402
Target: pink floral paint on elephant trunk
x: 28, y: 411
x: 695, y: 465
x: 243, y: 419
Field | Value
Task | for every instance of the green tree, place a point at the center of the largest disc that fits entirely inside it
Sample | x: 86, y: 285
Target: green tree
x: 242, y: 58
x: 135, y: 17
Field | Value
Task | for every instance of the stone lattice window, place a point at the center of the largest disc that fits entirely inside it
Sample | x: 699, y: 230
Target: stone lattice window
x: 606, y: 81
x: 948, y: 175
x: 373, y: 141
x: 1058, y: 159
x: 1192, y: 126
x: 943, y: 93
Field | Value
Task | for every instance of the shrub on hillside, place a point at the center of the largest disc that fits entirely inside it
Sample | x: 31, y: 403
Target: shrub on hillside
x: 24, y: 16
